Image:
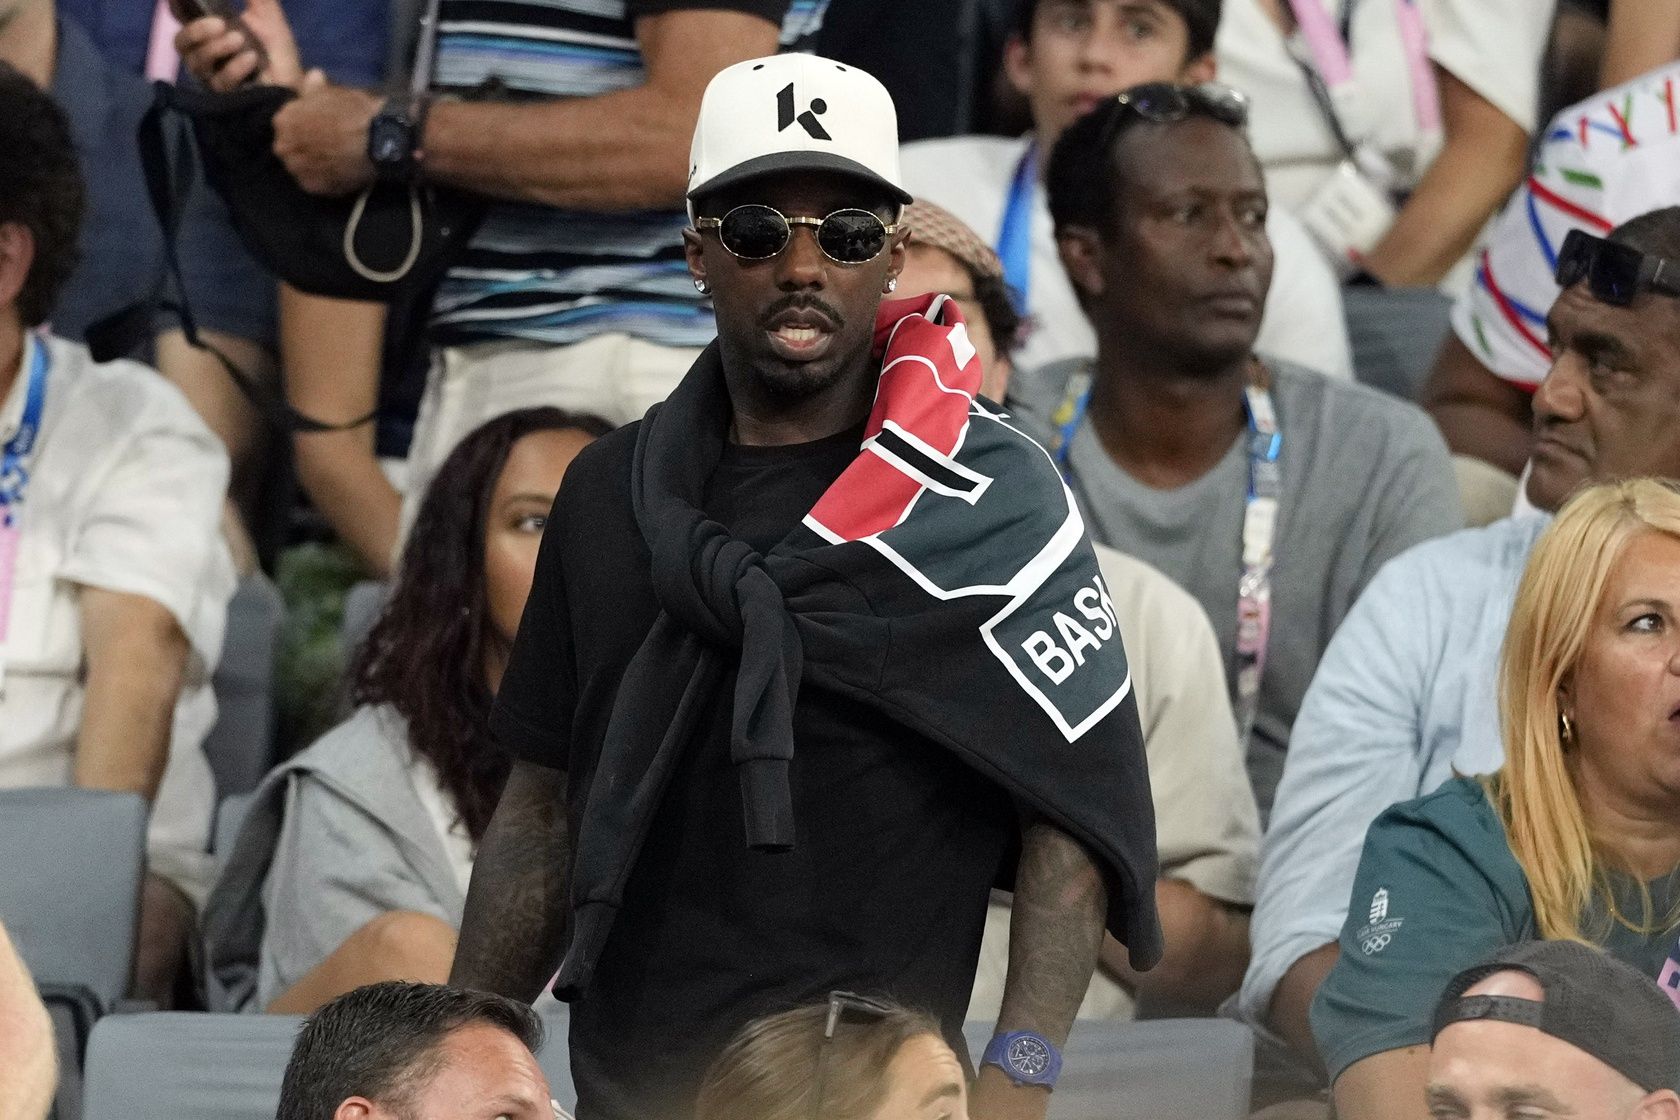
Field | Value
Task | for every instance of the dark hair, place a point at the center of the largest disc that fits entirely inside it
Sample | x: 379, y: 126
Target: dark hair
x: 380, y: 1042
x: 768, y: 1070
x: 1201, y: 17
x: 1082, y: 181
x: 1656, y: 233
x: 425, y: 655
x: 41, y: 188
x: 992, y: 294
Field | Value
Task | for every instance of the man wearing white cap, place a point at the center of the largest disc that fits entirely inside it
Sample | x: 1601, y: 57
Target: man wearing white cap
x: 816, y: 654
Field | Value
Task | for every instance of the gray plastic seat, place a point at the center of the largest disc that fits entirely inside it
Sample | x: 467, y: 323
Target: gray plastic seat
x: 70, y: 884
x: 1157, y: 1069
x: 175, y: 1065
x: 240, y: 746
x: 186, y: 1065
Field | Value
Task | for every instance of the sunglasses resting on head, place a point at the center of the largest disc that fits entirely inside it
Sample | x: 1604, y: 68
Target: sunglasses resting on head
x: 1614, y: 273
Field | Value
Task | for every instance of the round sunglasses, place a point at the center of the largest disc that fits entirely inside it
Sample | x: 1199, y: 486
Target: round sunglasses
x: 755, y: 232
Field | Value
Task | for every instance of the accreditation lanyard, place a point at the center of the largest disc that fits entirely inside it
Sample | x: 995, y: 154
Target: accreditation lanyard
x: 1014, y: 240
x: 1259, y: 531
x: 14, y: 481
x: 1331, y: 74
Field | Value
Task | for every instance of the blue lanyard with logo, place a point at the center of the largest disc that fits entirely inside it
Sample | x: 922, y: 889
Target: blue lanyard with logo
x: 14, y: 481
x: 1014, y: 241
x: 1259, y: 532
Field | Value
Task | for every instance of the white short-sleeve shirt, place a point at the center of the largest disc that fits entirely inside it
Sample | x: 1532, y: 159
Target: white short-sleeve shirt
x: 1612, y: 157
x: 1492, y: 46
x: 125, y: 493
x: 971, y: 177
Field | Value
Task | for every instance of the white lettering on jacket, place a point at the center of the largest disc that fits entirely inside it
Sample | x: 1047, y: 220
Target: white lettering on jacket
x: 1058, y: 656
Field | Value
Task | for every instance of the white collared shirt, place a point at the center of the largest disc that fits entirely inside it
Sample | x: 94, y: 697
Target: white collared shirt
x: 125, y: 493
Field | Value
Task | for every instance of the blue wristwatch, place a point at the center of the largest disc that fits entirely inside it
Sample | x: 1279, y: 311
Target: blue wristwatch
x: 1026, y: 1057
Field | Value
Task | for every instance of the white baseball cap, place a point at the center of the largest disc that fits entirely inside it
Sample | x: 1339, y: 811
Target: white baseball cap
x: 794, y: 112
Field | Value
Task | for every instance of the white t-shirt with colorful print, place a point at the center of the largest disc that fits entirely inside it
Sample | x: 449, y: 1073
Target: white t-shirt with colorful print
x: 1605, y: 160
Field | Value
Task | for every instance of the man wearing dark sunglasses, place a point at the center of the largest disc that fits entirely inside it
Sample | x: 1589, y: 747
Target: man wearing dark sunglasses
x: 821, y: 644
x: 1405, y: 696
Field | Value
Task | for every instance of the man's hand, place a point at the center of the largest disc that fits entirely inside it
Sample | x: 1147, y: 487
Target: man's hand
x: 322, y: 136
x: 218, y: 55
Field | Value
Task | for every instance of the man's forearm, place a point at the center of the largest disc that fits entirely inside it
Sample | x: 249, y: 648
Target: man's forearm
x: 1055, y: 935
x: 136, y: 659
x: 512, y: 930
x: 1289, y: 1014
x: 1206, y: 953
x: 1476, y: 170
x: 572, y: 153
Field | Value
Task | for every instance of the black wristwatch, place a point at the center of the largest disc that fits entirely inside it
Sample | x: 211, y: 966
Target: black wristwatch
x: 393, y: 144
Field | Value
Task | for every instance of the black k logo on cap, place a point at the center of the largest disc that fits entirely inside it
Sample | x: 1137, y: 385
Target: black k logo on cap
x: 786, y: 106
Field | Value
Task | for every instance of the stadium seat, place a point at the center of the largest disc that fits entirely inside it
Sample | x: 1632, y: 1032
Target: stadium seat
x: 73, y: 1012
x: 198, y: 1066
x: 240, y: 747
x: 1158, y: 1069
x: 184, y: 1065
x: 90, y: 838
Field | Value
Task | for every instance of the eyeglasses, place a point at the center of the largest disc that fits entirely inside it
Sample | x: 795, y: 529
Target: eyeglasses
x: 756, y: 233
x: 1614, y: 273
x: 842, y: 1007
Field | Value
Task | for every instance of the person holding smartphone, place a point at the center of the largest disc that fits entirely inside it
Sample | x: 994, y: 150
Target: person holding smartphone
x: 572, y: 294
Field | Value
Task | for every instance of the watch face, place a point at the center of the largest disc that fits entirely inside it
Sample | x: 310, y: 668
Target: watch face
x: 1029, y: 1057
x: 388, y: 141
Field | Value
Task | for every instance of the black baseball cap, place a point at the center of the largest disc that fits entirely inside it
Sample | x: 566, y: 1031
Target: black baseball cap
x: 1593, y: 1001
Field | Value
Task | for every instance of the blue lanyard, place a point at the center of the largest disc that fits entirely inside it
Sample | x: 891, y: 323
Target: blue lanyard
x: 1259, y: 532
x: 14, y: 468
x: 1014, y: 242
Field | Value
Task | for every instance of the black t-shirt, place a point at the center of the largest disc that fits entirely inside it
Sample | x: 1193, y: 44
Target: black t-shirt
x: 897, y: 845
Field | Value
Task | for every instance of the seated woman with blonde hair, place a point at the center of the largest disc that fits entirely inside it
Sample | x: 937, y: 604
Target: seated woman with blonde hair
x: 352, y: 864
x: 851, y: 1058
x: 1576, y: 837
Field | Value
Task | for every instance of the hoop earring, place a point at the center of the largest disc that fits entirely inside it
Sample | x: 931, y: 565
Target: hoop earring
x: 1566, y: 729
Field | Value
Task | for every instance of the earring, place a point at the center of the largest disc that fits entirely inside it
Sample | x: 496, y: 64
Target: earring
x: 892, y: 285
x: 1566, y: 728
x: 702, y: 287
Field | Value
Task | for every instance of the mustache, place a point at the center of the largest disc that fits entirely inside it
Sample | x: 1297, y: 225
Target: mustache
x: 802, y: 303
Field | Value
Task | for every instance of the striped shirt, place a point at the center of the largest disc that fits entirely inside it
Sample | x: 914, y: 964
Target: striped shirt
x: 1612, y: 157
x: 556, y: 276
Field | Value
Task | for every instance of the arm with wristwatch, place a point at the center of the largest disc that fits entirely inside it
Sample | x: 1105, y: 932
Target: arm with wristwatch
x: 1055, y: 933
x: 567, y: 152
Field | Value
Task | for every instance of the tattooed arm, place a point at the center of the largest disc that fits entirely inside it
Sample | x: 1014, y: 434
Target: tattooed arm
x: 1055, y: 934
x: 511, y: 931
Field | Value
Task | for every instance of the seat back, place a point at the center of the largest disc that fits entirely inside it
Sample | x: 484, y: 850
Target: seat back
x: 70, y: 884
x: 1157, y: 1069
x: 197, y: 1066
x: 185, y: 1065
x: 240, y: 746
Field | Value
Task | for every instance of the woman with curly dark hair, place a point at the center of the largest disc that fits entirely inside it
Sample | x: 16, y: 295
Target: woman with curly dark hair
x: 353, y: 862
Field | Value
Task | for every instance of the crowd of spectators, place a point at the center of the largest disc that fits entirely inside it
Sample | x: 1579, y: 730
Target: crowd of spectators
x: 1352, y: 328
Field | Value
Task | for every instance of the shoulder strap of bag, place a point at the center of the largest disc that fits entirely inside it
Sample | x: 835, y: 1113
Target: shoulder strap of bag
x: 169, y: 176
